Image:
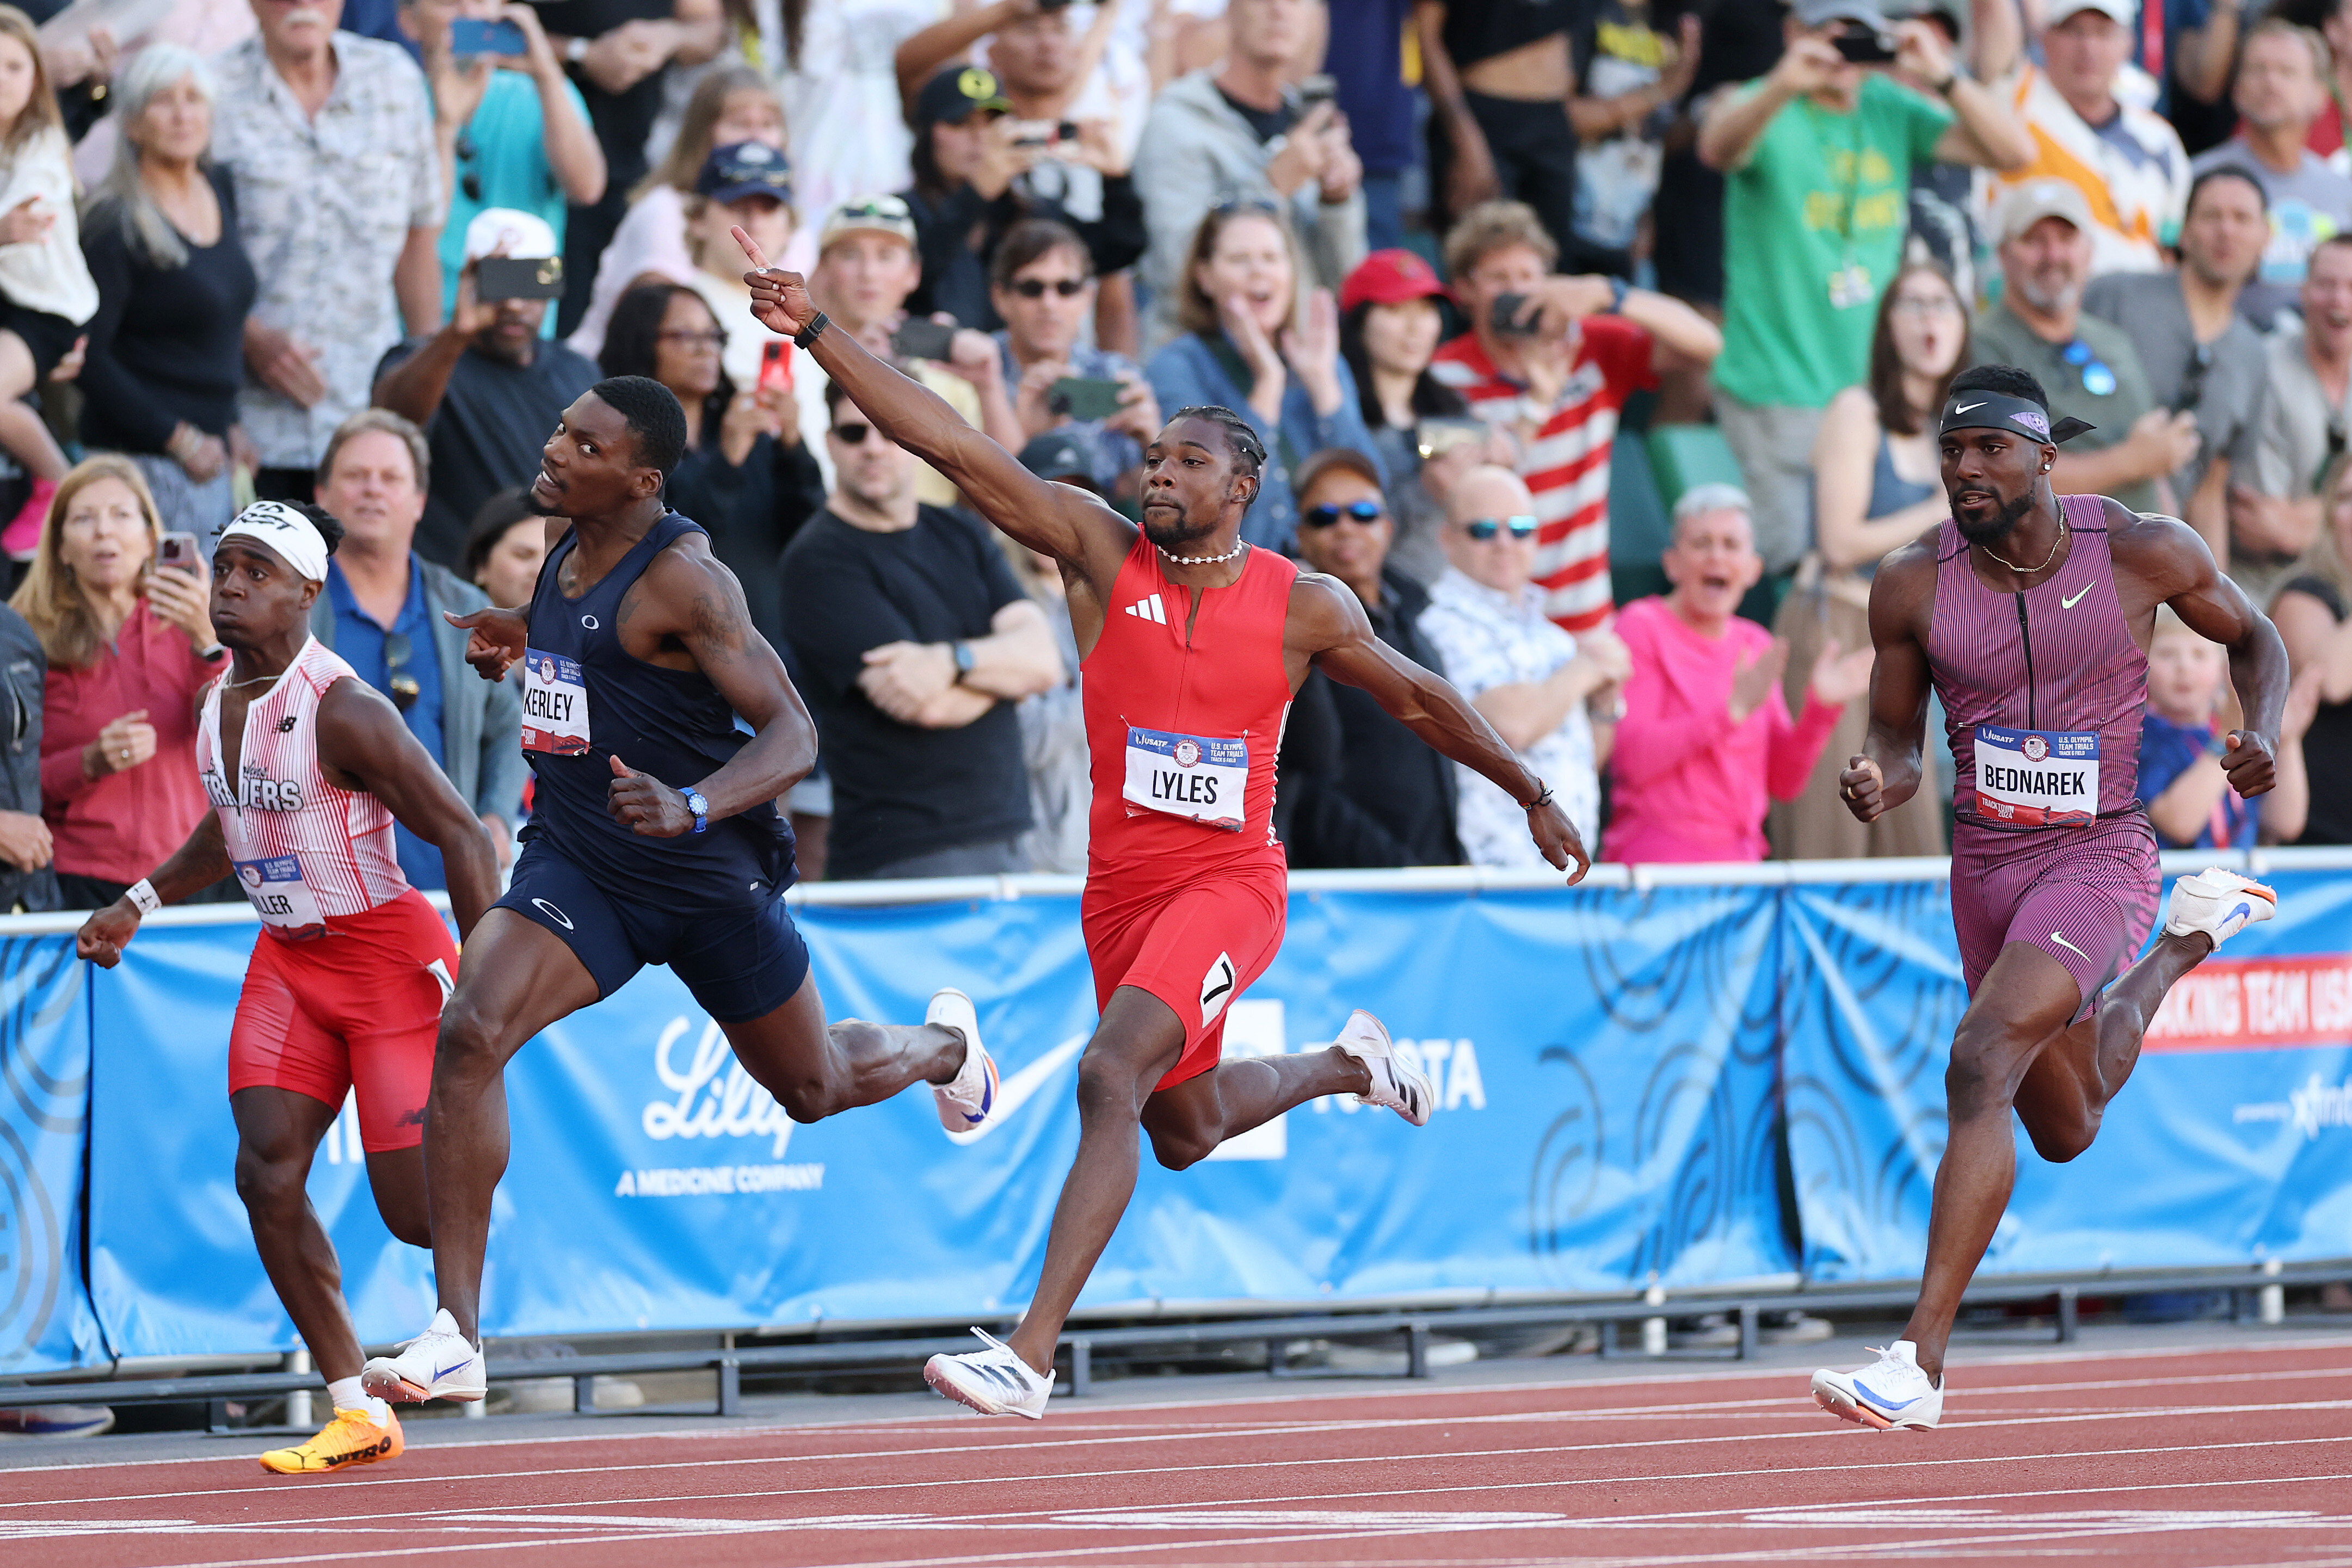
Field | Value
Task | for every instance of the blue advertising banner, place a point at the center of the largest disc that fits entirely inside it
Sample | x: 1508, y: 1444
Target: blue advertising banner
x: 46, y: 1322
x: 1691, y: 1083
x: 2232, y: 1143
x: 1600, y: 1122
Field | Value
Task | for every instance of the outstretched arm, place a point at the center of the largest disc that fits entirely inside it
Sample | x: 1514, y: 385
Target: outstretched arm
x: 193, y: 866
x: 2218, y: 610
x: 693, y: 602
x: 364, y: 744
x: 1328, y: 625
x: 1066, y: 523
x: 1888, y: 771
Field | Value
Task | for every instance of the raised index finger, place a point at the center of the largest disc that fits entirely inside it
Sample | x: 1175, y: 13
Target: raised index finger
x: 750, y: 248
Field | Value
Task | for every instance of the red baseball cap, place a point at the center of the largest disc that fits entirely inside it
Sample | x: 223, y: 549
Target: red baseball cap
x: 1389, y: 277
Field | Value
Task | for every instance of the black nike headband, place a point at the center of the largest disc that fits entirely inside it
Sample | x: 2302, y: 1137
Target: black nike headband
x: 1999, y: 411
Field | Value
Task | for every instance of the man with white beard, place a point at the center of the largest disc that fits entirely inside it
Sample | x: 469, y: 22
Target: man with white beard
x: 2045, y: 232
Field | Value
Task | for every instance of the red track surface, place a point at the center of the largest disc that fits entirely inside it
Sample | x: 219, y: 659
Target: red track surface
x: 2241, y: 1456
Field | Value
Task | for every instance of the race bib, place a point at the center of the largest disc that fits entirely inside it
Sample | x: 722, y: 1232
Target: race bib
x: 278, y: 894
x: 2037, y: 779
x: 554, y: 704
x: 1188, y: 776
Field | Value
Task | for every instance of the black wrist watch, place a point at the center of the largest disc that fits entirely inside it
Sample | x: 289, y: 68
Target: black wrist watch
x: 962, y: 653
x: 806, y: 337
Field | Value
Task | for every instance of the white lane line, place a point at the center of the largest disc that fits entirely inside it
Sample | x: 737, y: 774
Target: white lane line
x: 357, y: 1520
x: 2053, y: 1356
x: 1815, y: 1428
x: 1817, y: 1552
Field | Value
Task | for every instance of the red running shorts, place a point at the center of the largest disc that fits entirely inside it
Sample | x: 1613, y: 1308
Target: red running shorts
x: 358, y: 1008
x: 1195, y: 947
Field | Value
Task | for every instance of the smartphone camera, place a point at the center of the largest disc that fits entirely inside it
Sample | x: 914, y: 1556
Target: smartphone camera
x: 1865, y: 45
x: 1315, y: 90
x: 1515, y: 316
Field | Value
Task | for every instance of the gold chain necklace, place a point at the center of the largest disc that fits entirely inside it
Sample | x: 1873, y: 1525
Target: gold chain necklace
x: 2029, y: 571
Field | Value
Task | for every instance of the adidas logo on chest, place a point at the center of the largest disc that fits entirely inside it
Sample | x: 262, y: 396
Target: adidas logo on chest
x: 1149, y: 608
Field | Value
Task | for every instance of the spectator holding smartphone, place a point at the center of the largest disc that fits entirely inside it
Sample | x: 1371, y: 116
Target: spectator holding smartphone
x: 161, y: 373
x: 1553, y: 359
x: 1817, y: 160
x: 485, y: 389
x: 747, y: 476
x: 1043, y: 283
x: 1217, y: 139
x: 130, y: 642
x: 867, y: 268
x: 511, y: 129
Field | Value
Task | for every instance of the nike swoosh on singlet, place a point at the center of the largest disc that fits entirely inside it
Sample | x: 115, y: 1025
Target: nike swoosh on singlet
x: 2070, y: 946
x: 2068, y: 603
x: 1012, y: 1092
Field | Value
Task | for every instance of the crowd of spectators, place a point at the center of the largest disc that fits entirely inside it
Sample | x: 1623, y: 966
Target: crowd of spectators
x: 1596, y: 345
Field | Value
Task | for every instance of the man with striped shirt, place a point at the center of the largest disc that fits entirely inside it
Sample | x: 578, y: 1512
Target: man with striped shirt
x: 1553, y: 359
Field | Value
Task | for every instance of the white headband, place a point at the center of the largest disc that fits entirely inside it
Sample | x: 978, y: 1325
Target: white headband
x: 295, y: 539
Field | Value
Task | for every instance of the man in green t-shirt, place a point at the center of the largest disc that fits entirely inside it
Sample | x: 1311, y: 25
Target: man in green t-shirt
x: 1817, y: 157
x: 2091, y: 369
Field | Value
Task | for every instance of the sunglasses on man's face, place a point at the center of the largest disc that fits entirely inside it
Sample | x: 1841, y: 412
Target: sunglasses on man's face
x: 852, y: 434
x: 1480, y: 529
x: 1326, y: 515
x: 1034, y: 288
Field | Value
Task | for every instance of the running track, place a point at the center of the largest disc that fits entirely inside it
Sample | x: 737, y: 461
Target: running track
x: 2215, y: 1459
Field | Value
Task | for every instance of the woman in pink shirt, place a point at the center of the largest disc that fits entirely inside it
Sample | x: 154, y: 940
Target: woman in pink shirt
x: 130, y: 643
x: 1706, y: 734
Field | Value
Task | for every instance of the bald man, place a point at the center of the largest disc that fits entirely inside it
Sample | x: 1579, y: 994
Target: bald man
x: 1538, y: 686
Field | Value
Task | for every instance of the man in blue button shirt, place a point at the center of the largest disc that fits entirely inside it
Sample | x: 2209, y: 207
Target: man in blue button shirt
x: 381, y: 612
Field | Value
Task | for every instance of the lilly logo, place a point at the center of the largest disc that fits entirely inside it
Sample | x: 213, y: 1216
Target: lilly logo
x: 709, y: 1106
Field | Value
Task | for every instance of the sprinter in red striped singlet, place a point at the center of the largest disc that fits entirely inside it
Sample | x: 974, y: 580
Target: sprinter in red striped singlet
x: 2030, y: 614
x: 308, y: 767
x: 1193, y: 644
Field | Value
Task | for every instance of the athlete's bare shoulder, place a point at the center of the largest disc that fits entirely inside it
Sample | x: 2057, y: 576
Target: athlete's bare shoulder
x: 1324, y: 613
x: 2164, y: 554
x: 1903, y: 589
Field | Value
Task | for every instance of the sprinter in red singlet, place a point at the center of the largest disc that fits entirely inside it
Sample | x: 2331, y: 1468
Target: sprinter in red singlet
x: 308, y: 768
x: 2030, y: 614
x: 1193, y: 644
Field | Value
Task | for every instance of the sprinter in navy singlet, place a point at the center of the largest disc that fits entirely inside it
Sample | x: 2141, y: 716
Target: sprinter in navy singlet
x: 662, y: 729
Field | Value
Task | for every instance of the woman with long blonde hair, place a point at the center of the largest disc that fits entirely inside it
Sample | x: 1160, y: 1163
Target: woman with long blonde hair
x: 130, y: 643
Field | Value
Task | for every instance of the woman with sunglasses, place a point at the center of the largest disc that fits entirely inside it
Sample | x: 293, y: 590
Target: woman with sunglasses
x: 1877, y: 485
x: 747, y: 476
x: 1248, y: 345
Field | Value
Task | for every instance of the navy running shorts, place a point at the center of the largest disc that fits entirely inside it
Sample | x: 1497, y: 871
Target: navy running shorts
x: 740, y: 964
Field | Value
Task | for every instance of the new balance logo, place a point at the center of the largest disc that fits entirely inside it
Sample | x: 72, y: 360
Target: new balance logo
x: 1148, y: 609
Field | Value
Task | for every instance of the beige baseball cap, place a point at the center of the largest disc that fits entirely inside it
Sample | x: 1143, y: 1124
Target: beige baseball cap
x: 2027, y: 205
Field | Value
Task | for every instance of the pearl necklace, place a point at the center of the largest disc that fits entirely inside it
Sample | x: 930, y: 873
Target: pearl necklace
x: 1204, y: 559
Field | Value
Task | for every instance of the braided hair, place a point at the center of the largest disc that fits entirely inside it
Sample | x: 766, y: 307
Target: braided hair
x: 1249, y: 452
